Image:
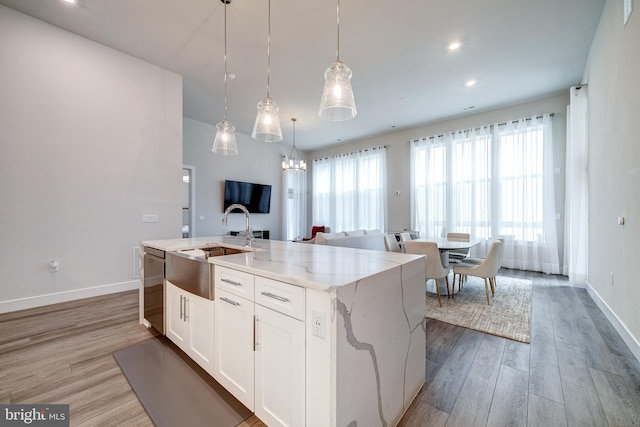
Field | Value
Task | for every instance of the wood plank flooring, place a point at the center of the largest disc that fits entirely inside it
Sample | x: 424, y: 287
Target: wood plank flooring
x: 577, y: 371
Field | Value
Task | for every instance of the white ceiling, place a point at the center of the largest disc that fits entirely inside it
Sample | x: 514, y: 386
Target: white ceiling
x: 403, y: 73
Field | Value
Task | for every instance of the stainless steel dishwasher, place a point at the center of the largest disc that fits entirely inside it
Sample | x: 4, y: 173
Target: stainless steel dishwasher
x: 153, y: 276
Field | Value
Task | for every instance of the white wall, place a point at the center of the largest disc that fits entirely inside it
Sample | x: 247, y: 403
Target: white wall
x: 256, y: 162
x: 398, y: 158
x: 90, y: 140
x: 614, y: 168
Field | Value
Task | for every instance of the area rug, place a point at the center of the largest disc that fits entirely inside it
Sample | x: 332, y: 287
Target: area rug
x: 508, y: 316
x: 175, y: 391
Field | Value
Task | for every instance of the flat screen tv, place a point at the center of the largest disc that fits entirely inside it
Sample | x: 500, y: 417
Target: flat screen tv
x: 255, y: 197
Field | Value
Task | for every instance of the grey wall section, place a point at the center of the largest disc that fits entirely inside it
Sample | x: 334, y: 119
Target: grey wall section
x: 256, y: 162
x: 614, y: 167
x: 90, y: 140
x: 398, y: 158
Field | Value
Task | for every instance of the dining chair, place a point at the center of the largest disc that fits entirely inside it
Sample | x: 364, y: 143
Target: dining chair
x: 405, y: 237
x: 487, y: 269
x: 433, y: 265
x: 391, y: 243
x: 458, y: 255
x: 478, y: 260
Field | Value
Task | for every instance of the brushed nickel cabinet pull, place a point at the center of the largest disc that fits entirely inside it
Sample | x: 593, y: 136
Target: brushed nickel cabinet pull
x: 231, y: 282
x: 274, y: 296
x: 256, y: 345
x: 232, y: 302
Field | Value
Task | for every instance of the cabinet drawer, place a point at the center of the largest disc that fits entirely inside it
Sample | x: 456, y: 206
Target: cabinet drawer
x: 234, y: 281
x: 282, y: 297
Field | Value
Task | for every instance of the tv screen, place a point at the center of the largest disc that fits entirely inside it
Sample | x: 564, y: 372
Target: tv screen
x: 255, y: 197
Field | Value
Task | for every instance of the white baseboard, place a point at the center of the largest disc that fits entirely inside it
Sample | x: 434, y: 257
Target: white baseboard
x: 41, y: 300
x: 618, y: 324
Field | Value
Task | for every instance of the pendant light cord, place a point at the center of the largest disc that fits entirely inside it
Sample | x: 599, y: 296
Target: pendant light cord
x: 338, y: 43
x: 294, y: 135
x: 225, y: 60
x: 269, y: 51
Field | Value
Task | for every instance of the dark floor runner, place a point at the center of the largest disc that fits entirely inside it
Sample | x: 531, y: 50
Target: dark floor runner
x: 174, y: 390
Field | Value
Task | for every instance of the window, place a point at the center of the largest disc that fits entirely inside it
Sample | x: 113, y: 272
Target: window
x: 349, y: 191
x: 490, y: 182
x: 521, y: 189
x: 295, y: 205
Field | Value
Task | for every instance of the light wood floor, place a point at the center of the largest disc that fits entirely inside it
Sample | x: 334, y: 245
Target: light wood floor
x: 576, y: 371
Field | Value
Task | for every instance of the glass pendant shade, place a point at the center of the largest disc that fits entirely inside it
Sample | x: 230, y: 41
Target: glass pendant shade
x: 337, y: 102
x: 225, y: 141
x: 267, y: 125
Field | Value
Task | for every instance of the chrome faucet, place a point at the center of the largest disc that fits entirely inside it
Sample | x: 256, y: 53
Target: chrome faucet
x: 247, y: 232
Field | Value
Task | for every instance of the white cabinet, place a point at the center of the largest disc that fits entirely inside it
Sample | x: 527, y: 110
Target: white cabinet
x: 260, y: 345
x: 190, y: 324
x: 279, y: 369
x: 176, y: 324
x: 233, y: 366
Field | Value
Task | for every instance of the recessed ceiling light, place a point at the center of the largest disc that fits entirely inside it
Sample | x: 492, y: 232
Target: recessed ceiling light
x: 471, y: 83
x: 70, y: 1
x: 454, y: 45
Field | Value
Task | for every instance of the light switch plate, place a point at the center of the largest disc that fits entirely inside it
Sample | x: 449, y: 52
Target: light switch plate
x: 149, y: 218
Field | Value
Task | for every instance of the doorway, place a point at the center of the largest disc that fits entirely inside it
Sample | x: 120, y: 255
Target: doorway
x: 188, y: 201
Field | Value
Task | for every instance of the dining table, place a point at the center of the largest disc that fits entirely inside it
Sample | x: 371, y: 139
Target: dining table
x: 445, y: 245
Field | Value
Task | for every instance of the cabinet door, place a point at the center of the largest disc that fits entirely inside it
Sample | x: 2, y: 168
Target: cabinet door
x: 200, y: 318
x: 233, y: 363
x: 175, y: 311
x: 279, y: 369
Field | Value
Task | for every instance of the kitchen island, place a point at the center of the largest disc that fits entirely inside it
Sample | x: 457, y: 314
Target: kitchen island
x: 315, y: 335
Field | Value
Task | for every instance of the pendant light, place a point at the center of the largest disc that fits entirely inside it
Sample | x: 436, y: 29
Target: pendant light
x: 267, y: 125
x: 225, y: 141
x: 337, y: 102
x: 293, y: 162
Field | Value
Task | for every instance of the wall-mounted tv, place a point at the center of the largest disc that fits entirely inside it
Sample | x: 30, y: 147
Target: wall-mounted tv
x: 255, y: 197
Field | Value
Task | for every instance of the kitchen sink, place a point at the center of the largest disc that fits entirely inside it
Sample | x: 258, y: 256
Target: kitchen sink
x: 220, y: 251
x: 190, y: 269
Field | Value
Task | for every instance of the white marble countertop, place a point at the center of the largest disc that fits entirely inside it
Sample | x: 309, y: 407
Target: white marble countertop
x: 172, y: 245
x: 314, y: 266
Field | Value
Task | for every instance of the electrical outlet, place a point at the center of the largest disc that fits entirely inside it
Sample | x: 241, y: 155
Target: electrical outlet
x: 54, y: 266
x: 612, y: 278
x: 318, y: 323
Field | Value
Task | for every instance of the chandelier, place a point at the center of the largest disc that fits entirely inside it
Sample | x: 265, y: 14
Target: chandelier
x: 293, y: 162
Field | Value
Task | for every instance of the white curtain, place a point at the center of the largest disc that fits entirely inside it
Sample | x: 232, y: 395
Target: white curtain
x: 294, y: 205
x: 451, y: 183
x: 577, y: 191
x: 491, y: 181
x: 527, y: 215
x: 349, y: 191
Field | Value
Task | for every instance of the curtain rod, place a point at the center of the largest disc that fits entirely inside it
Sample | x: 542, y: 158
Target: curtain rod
x: 490, y: 126
x: 352, y: 152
